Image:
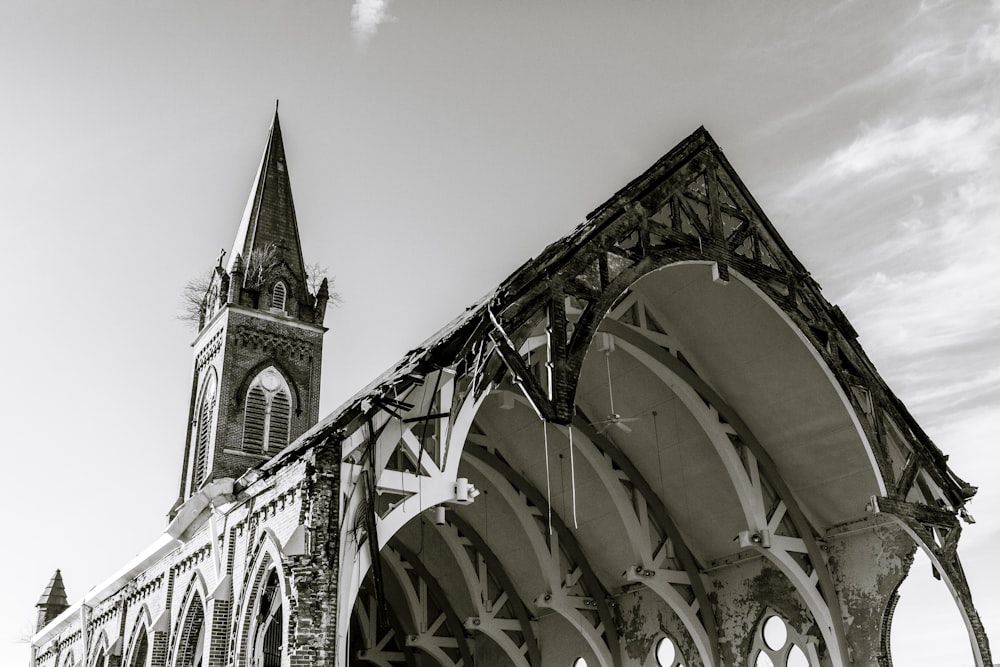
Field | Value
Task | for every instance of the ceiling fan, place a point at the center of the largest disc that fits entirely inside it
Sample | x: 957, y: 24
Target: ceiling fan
x: 613, y: 418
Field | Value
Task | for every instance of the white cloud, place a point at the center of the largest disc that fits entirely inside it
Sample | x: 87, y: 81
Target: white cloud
x: 367, y: 16
x: 948, y: 145
x: 985, y: 45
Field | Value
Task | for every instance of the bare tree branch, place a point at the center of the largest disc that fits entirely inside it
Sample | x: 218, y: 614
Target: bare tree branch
x: 194, y: 299
x: 260, y: 264
x: 315, y: 275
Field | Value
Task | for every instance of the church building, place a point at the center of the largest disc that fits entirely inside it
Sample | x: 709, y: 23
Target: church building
x: 654, y: 444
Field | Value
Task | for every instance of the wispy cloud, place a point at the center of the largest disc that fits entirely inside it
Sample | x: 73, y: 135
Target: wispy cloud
x: 366, y: 17
x: 936, y: 145
x: 908, y: 206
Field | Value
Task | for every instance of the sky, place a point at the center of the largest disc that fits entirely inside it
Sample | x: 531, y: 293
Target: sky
x: 433, y: 148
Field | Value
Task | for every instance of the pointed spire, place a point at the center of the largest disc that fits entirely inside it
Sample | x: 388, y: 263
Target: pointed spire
x: 53, y: 600
x: 55, y: 592
x: 269, y: 217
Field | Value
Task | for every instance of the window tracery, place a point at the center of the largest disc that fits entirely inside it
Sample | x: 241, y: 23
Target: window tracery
x: 267, y: 417
x: 140, y: 652
x: 191, y: 648
x: 776, y: 644
x: 267, y: 633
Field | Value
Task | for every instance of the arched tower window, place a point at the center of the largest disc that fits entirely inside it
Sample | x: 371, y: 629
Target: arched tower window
x: 267, y: 632
x: 278, y: 293
x: 268, y: 413
x: 203, y: 431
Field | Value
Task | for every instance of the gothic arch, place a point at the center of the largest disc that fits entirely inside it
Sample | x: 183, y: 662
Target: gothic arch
x: 190, y: 632
x: 267, y: 559
x: 140, y: 641
x: 99, y: 650
x: 240, y: 395
x: 776, y: 395
x: 203, y: 429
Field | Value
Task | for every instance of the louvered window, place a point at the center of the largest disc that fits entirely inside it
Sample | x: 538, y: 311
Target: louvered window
x: 253, y: 429
x: 277, y: 432
x: 268, y: 413
x: 278, y: 297
x: 203, y: 433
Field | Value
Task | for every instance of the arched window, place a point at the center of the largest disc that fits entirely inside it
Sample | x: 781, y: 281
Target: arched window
x: 101, y: 660
x: 776, y: 644
x: 191, y: 647
x: 211, y: 300
x: 203, y: 431
x: 268, y: 413
x: 140, y: 652
x: 278, y: 293
x: 267, y: 633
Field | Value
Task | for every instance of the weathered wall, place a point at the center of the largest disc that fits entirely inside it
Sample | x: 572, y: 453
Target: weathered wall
x: 868, y: 563
x: 742, y: 593
x: 643, y: 619
x: 301, y: 493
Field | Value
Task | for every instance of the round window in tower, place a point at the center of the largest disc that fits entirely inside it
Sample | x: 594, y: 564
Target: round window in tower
x: 270, y: 380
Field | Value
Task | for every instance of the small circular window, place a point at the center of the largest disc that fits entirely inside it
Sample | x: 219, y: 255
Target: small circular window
x: 667, y: 654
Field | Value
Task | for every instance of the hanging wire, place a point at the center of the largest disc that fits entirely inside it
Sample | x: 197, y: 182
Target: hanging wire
x: 611, y: 394
x: 562, y: 483
x: 659, y: 456
x: 548, y: 481
x: 680, y: 453
x: 422, y: 520
x: 572, y: 475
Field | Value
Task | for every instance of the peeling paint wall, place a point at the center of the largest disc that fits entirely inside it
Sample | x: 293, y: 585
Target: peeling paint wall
x: 643, y: 619
x: 868, y: 564
x: 742, y: 593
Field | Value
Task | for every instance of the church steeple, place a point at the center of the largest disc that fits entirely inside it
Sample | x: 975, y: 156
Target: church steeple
x: 52, y: 602
x: 259, y: 346
x: 269, y: 231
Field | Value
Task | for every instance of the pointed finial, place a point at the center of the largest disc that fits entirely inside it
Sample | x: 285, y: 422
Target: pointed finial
x: 276, y: 100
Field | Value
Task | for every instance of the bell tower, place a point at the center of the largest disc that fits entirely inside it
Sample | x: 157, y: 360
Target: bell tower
x: 255, y: 386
